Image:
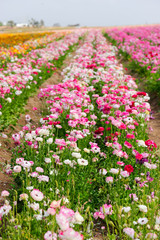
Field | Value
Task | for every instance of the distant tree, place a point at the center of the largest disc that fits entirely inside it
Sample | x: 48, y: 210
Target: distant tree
x: 34, y: 23
x: 1, y: 24
x: 41, y: 23
x: 56, y: 25
x: 11, y: 23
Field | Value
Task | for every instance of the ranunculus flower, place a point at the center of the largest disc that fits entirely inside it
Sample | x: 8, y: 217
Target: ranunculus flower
x: 129, y: 168
x: 17, y: 169
x: 109, y: 179
x: 55, y: 204
x: 37, y: 195
x: 129, y: 232
x: 4, y: 193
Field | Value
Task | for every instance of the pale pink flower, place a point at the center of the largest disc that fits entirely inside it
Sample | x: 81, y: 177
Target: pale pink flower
x: 62, y: 221
x: 106, y: 209
x: 4, y: 193
x: 51, y: 211
x: 23, y: 196
x: 124, y: 174
x: 151, y: 236
x: 55, y: 204
x: 70, y: 234
x: 39, y: 169
x: 37, y: 195
x: 129, y: 232
x: 17, y: 169
x: 109, y: 179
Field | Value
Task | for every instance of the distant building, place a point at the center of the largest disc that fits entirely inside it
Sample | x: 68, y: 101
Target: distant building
x: 73, y: 25
x: 21, y: 24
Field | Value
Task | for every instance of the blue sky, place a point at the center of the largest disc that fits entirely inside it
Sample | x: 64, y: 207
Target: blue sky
x: 84, y: 12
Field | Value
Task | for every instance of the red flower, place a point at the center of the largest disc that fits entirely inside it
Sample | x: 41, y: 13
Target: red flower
x: 141, y: 93
x: 129, y: 168
x: 151, y: 144
x: 139, y: 156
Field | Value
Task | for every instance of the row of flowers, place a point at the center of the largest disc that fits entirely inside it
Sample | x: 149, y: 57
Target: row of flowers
x: 88, y: 159
x: 141, y: 43
x: 11, y: 39
x: 20, y: 49
x: 21, y: 75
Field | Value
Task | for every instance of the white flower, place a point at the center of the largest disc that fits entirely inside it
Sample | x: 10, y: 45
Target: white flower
x: 157, y: 227
x: 49, y: 140
x: 39, y: 139
x: 27, y: 117
x: 124, y: 174
x: 34, y: 206
x: 68, y: 162
x: 82, y: 162
x: 91, y: 107
x: 29, y: 188
x: 103, y: 171
x: 18, y: 92
x: 134, y: 222
x: 9, y: 99
x: 158, y: 220
x: 126, y: 209
x: 141, y: 143
x: 43, y: 132
x: 151, y: 236
x: 129, y: 232
x: 47, y: 160
x: 142, y: 221
x: 76, y: 155
x: 142, y: 208
x: 78, y: 219
x: 114, y: 171
x: 86, y: 150
x: 65, y: 200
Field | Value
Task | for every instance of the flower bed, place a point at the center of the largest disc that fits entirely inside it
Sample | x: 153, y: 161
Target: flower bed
x: 21, y: 49
x: 23, y: 75
x: 11, y: 39
x: 140, y: 47
x: 90, y: 158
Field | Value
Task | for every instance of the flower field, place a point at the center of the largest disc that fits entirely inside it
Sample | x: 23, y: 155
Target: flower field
x: 21, y: 75
x: 141, y: 47
x: 89, y: 162
x: 11, y: 39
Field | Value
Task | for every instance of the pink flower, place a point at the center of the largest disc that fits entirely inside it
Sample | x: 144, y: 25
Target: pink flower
x: 17, y: 169
x: 55, y: 204
x: 129, y: 232
x: 70, y: 234
x: 62, y: 221
x: 37, y: 195
x: 69, y: 213
x: 4, y: 193
x: 130, y: 136
x: 50, y: 236
x: 120, y: 163
x: 109, y: 179
x: 127, y: 144
x: 39, y: 169
x: 106, y: 209
x: 23, y: 196
x: 51, y: 211
x: 124, y: 174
